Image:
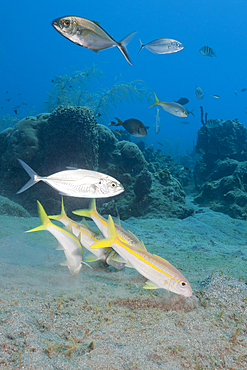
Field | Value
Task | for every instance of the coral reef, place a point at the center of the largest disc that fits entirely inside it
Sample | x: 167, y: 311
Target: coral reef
x: 221, y: 172
x: 70, y: 136
x: 225, y: 190
x: 227, y: 140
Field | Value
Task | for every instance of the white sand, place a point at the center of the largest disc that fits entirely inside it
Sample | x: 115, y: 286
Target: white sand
x: 103, y: 319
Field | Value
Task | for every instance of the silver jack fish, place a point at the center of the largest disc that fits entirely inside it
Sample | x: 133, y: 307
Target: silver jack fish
x: 162, y: 46
x: 76, y: 183
x: 89, y: 34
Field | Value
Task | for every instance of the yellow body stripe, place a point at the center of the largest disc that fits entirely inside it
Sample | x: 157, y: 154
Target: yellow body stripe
x: 104, y: 222
x: 83, y: 231
x: 147, y: 262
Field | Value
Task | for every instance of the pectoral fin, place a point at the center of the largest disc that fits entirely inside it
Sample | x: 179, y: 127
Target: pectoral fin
x: 150, y: 285
x: 65, y: 263
x: 90, y: 258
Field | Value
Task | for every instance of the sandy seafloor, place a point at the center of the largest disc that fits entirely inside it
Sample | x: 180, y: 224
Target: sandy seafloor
x: 104, y: 319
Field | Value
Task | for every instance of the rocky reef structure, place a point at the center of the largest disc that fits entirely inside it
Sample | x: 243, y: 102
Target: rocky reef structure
x: 70, y: 136
x: 221, y: 172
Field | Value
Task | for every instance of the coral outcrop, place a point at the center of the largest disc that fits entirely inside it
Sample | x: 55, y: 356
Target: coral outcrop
x: 221, y: 172
x: 226, y: 189
x: 70, y: 136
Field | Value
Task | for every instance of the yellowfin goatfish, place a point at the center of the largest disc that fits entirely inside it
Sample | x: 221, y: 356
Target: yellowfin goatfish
x: 87, y: 237
x: 199, y: 93
x: 162, y: 46
x: 159, y: 272
x: 89, y: 34
x: 133, y: 126
x: 76, y: 183
x: 207, y: 51
x: 69, y: 243
x: 157, y: 121
x: 171, y: 107
x: 125, y: 236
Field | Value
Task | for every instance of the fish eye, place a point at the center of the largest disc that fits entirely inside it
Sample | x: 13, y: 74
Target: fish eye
x: 183, y: 283
x: 66, y: 23
x: 113, y: 184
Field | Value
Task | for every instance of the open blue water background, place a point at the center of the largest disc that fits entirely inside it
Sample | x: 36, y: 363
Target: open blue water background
x: 32, y: 53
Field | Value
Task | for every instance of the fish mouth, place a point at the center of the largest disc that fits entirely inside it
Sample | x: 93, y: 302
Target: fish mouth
x: 56, y: 24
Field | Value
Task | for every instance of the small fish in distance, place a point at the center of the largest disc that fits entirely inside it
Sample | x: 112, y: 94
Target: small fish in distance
x: 76, y: 183
x: 89, y: 34
x: 215, y: 96
x: 184, y: 122
x: 171, y: 107
x: 199, y: 93
x: 213, y: 123
x: 133, y: 126
x: 162, y: 46
x: 182, y: 101
x: 157, y: 121
x: 207, y: 51
x: 243, y: 90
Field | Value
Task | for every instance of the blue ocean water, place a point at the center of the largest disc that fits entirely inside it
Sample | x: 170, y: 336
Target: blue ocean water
x: 32, y: 53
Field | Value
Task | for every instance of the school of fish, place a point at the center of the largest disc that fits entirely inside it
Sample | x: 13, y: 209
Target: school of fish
x: 112, y: 244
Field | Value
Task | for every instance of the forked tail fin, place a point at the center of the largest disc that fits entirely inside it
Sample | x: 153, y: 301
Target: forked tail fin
x: 122, y: 46
x: 142, y: 46
x: 34, y: 177
x: 157, y: 101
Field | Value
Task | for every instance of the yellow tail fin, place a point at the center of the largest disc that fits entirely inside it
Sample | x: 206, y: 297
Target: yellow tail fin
x: 43, y: 218
x: 62, y: 214
x: 87, y: 212
x: 157, y: 101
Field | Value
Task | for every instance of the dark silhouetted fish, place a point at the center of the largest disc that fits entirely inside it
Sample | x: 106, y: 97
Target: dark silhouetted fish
x: 207, y: 51
x: 133, y: 126
x: 182, y: 101
x: 190, y: 112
